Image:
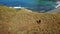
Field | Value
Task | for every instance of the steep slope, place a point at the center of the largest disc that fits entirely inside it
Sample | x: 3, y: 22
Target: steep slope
x: 24, y: 22
x: 5, y: 15
x: 31, y: 23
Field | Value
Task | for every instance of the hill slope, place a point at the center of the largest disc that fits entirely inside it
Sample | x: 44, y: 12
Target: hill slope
x: 24, y: 22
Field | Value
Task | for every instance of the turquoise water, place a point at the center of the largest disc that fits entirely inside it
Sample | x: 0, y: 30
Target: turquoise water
x: 36, y: 5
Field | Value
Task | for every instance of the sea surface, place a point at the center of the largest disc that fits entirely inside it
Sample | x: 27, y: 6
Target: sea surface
x: 36, y: 5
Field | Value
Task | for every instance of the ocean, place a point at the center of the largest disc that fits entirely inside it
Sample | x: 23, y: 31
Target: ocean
x: 30, y: 4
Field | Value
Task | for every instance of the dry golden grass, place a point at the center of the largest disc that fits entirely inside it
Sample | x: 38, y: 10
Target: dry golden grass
x: 5, y: 15
x: 24, y: 22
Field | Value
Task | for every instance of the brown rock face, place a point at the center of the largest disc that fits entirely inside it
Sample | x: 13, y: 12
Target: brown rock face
x: 21, y: 22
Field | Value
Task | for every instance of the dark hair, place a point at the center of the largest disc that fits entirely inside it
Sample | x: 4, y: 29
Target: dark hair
x: 38, y: 21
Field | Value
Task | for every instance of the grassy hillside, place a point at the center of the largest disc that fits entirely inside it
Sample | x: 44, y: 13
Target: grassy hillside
x: 6, y: 13
x: 25, y: 22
